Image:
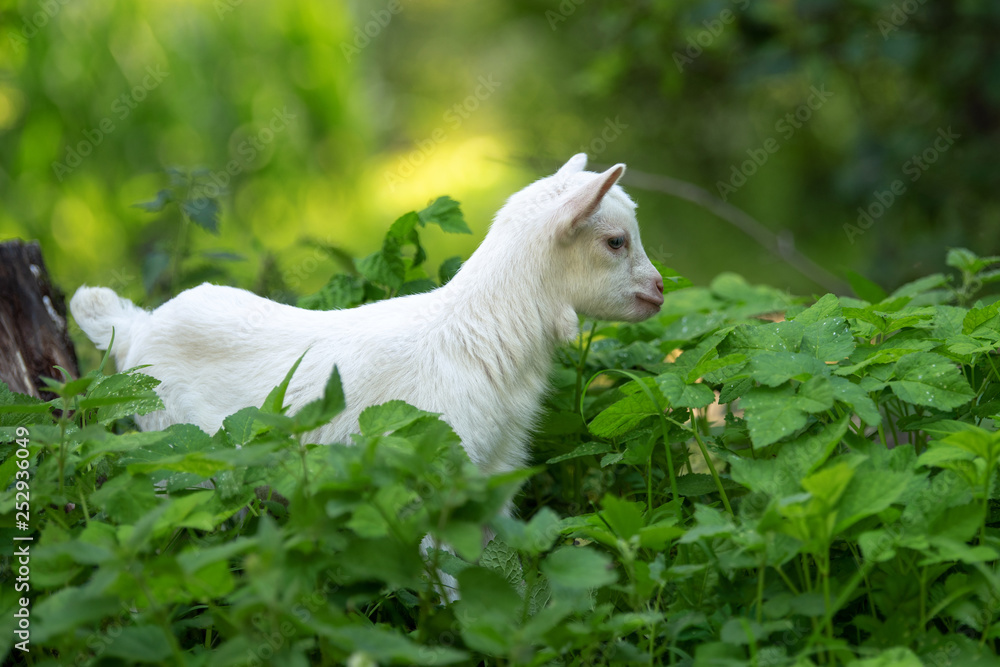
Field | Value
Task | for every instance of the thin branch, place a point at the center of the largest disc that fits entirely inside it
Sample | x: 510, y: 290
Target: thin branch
x: 780, y: 245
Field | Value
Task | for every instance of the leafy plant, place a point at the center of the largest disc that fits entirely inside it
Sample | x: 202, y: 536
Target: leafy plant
x: 196, y: 200
x: 388, y: 272
x: 748, y: 478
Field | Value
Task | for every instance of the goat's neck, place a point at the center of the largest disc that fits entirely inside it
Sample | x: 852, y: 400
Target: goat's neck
x: 506, y: 315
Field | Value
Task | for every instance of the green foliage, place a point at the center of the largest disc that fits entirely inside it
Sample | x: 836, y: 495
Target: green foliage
x: 167, y: 269
x: 721, y: 486
x: 388, y: 272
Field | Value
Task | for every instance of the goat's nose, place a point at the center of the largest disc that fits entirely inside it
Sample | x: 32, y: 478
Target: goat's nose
x: 659, y: 283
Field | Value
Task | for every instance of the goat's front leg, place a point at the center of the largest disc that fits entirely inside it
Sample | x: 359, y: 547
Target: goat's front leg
x: 448, y: 589
x: 446, y: 585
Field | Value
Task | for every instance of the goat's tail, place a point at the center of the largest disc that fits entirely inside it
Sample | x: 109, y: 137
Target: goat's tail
x: 98, y: 311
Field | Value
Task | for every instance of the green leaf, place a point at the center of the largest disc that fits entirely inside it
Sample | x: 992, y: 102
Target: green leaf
x: 388, y: 417
x: 447, y: 214
x: 752, y: 339
x: 748, y: 300
x: 780, y: 476
x: 533, y: 537
x: 624, y: 415
x: 163, y: 197
x: 857, y: 399
x: 829, y: 484
x: 877, y: 546
x: 154, y: 267
x: 70, y: 388
x: 939, y: 455
x: 586, y: 449
x: 319, y: 412
x: 140, y: 644
x: 500, y: 558
x: 711, y: 523
x: 419, y: 286
x: 815, y: 395
x: 774, y: 413
x: 543, y: 530
x: 579, y: 567
x: 384, y: 267
x: 465, y: 536
x: 20, y: 409
x: 983, y: 322
x: 487, y: 607
x: 827, y: 307
x: 865, y: 288
x: 921, y: 285
x: 342, y: 291
x: 774, y: 368
x: 977, y: 441
x: 734, y: 390
x: 962, y: 259
x: 967, y: 345
x: 717, y: 370
x: 625, y: 518
x: 242, y: 426
x: 404, y: 228
x: 683, y: 395
x: 893, y: 657
x: 384, y: 646
x: 926, y: 378
x: 275, y: 401
x: 204, y: 212
x: 871, y: 490
x: 121, y: 395
x: 828, y: 340
x: 63, y: 611
x: 448, y: 269
x: 126, y: 498
x: 672, y: 281
x: 487, y: 592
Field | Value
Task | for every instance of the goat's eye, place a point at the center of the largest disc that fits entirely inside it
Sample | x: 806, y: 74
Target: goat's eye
x: 616, y: 242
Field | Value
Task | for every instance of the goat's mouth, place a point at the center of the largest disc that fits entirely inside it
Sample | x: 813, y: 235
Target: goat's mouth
x: 650, y: 299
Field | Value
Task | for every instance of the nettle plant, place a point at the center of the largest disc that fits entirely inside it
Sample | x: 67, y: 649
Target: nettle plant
x: 192, y: 200
x: 749, y: 478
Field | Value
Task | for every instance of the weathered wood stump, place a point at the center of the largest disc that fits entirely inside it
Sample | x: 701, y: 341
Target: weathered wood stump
x: 33, y: 334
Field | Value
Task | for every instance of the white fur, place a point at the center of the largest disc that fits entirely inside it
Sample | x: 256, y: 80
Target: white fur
x: 477, y: 350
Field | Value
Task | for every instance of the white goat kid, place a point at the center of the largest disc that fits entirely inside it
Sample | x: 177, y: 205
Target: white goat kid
x: 477, y: 350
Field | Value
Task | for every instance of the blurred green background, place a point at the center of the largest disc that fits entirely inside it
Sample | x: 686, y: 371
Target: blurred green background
x: 334, y: 118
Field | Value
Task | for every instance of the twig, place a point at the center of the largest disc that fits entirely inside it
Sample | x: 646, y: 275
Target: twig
x: 781, y: 245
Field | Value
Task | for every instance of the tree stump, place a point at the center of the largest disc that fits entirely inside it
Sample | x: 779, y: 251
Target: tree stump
x: 33, y: 334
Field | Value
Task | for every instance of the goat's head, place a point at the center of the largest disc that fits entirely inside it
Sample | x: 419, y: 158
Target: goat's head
x: 597, y: 260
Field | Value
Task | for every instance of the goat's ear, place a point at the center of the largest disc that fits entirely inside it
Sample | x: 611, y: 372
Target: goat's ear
x: 574, y: 165
x: 582, y: 203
